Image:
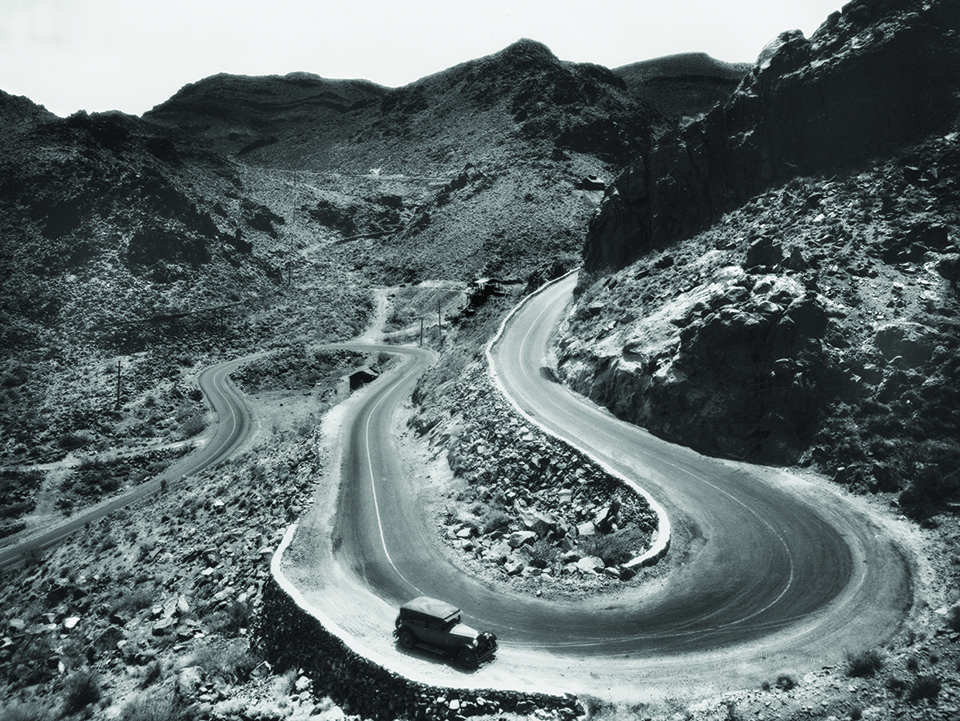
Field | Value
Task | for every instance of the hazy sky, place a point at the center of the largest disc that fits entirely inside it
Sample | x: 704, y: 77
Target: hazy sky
x: 130, y: 55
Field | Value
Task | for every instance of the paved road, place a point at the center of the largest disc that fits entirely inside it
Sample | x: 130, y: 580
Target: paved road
x: 769, y: 569
x: 765, y: 553
x: 232, y: 428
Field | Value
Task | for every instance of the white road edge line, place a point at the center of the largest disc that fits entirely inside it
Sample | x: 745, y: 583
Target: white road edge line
x: 662, y: 543
x: 376, y: 503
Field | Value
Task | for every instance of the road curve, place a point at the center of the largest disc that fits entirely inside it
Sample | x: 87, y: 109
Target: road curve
x: 770, y: 571
x: 233, y: 426
x: 768, y: 553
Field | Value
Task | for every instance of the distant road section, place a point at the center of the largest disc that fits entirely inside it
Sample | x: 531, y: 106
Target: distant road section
x: 233, y: 425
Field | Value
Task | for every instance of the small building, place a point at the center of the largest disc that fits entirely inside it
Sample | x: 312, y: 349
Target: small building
x: 591, y: 182
x: 355, y: 380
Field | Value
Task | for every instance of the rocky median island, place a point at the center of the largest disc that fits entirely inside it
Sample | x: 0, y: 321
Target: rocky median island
x: 522, y: 508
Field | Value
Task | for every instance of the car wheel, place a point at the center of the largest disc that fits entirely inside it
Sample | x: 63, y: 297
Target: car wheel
x: 406, y: 638
x: 467, y: 658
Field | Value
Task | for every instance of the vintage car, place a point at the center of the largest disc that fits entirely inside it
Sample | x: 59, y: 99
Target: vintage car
x: 436, y: 626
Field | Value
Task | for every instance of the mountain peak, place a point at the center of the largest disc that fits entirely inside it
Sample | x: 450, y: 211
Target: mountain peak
x: 526, y: 53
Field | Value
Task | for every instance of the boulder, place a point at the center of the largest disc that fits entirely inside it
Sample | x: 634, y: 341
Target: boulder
x: 519, y: 538
x: 912, y: 342
x: 605, y: 518
x: 188, y: 681
x: 164, y: 626
x: 514, y: 567
x: 763, y: 252
x: 587, y: 529
x: 537, y: 521
x: 591, y: 564
x: 499, y: 553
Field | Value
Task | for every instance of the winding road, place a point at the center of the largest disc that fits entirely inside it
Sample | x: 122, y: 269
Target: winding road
x: 768, y: 570
x: 233, y: 426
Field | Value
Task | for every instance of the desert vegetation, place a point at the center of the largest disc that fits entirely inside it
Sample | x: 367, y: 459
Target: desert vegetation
x: 817, y: 312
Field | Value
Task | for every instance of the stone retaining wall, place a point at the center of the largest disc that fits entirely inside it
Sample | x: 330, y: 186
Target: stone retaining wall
x: 291, y: 637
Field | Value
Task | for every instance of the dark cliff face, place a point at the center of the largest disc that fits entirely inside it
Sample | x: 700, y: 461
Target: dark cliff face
x: 872, y: 77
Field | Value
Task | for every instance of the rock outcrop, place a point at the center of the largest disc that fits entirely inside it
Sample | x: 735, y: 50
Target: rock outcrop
x: 816, y: 324
x: 874, y: 76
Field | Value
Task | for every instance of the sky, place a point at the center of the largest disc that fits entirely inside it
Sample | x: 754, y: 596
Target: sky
x: 130, y: 55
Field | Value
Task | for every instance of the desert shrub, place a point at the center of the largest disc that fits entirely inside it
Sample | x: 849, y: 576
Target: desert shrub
x: 931, y: 474
x: 543, y: 553
x: 786, y: 682
x: 896, y: 685
x: 494, y: 519
x: 133, y: 600
x: 35, y: 654
x: 146, y: 548
x: 953, y: 618
x: 71, y: 440
x: 17, y: 490
x: 925, y: 687
x: 30, y: 711
x: 192, y: 426
x: 400, y: 317
x: 108, y: 542
x: 233, y: 664
x: 157, y: 708
x: 80, y: 690
x: 913, y: 664
x: 864, y: 663
x: 232, y: 618
x: 613, y: 548
x: 32, y: 557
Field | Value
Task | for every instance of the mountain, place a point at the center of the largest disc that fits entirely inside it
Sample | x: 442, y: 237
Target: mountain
x: 523, y: 93
x: 238, y: 114
x: 484, y: 158
x: 117, y: 241
x: 682, y: 85
x: 123, y: 235
x: 778, y: 281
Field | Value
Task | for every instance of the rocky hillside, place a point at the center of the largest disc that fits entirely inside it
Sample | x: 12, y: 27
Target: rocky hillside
x: 817, y: 322
x: 490, y: 107
x: 125, y: 250
x: 480, y: 165
x: 246, y: 212
x: 236, y: 115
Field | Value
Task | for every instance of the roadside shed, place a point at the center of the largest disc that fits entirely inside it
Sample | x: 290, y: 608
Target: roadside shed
x: 355, y: 380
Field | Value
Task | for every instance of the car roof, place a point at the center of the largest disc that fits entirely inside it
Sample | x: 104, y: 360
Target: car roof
x: 431, y: 607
